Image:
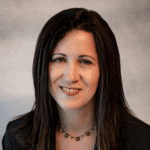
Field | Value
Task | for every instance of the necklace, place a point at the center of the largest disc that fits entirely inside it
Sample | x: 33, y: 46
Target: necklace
x: 77, y: 138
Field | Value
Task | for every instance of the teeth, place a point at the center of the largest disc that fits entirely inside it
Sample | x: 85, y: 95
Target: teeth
x: 69, y: 90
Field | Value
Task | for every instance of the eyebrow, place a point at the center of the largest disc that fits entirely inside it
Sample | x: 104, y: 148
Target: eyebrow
x: 79, y: 56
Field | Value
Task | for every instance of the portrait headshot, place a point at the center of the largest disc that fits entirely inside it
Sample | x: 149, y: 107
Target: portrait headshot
x: 79, y: 96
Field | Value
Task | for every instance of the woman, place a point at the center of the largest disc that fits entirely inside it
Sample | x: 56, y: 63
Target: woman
x: 79, y: 98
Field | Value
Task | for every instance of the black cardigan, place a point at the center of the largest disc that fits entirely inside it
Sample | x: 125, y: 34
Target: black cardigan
x: 134, y: 135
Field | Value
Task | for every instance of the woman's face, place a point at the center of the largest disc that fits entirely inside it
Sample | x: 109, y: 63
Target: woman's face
x: 69, y: 69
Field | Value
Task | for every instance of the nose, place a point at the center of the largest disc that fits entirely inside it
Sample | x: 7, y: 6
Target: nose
x: 71, y: 72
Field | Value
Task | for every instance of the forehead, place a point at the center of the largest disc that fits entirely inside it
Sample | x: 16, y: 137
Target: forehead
x: 77, y: 42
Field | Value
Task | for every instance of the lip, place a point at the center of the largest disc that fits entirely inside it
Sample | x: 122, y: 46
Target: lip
x: 69, y: 93
x: 71, y: 88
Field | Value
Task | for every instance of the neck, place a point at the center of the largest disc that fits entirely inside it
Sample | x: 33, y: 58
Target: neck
x: 78, y: 121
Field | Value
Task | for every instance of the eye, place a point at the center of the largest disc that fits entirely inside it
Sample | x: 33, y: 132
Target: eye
x: 86, y: 61
x: 55, y: 60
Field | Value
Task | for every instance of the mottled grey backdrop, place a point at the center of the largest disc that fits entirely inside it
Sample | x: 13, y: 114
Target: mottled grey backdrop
x: 20, y: 24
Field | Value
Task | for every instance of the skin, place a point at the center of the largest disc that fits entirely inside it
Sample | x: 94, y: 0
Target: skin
x: 76, y: 112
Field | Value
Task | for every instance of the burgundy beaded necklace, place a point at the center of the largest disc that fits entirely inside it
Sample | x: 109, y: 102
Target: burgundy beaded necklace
x: 77, y: 138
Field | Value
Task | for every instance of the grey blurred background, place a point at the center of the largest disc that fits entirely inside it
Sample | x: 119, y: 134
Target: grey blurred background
x: 20, y: 24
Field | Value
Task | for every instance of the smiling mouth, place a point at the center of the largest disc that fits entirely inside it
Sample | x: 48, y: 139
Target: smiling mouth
x: 69, y: 92
x: 70, y: 88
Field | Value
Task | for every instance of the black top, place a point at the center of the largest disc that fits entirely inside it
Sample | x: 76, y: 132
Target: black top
x: 135, y: 135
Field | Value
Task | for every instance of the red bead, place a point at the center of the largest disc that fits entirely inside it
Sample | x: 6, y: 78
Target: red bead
x: 66, y: 135
x: 87, y: 133
x: 77, y: 138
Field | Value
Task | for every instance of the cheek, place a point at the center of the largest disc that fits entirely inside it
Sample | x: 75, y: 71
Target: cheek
x: 92, y: 76
x: 54, y: 73
x: 94, y: 80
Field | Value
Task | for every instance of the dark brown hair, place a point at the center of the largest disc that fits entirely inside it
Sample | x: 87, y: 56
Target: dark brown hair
x: 40, y: 124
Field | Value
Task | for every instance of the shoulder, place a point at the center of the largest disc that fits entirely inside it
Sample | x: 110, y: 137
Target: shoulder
x: 135, y: 133
x: 135, y: 126
x: 9, y: 140
x: 15, y: 123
